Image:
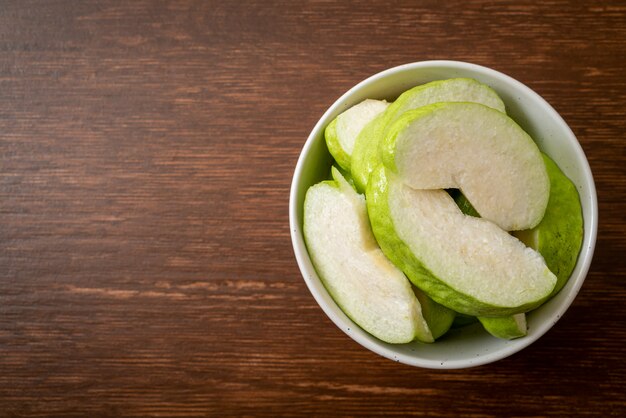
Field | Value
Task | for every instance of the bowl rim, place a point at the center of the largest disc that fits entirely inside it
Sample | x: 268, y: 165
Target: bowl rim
x: 379, y: 347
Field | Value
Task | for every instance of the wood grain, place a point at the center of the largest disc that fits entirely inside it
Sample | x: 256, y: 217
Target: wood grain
x: 146, y: 154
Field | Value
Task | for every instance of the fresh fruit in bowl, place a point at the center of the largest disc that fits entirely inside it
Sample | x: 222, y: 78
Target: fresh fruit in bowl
x: 444, y: 205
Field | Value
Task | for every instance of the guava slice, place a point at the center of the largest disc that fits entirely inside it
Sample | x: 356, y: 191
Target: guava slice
x: 476, y: 149
x: 465, y: 263
x: 345, y: 174
x: 559, y: 235
x: 366, y: 157
x: 438, y: 317
x: 506, y: 327
x: 362, y: 281
x: 342, y: 132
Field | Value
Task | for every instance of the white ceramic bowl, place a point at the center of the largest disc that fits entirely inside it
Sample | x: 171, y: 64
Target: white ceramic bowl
x: 471, y: 345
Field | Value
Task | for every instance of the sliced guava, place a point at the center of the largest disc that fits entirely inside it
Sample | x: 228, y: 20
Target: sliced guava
x: 362, y: 281
x: 342, y: 132
x: 366, y: 157
x: 476, y: 149
x: 506, y: 327
x: 559, y: 235
x: 465, y: 263
x: 438, y: 317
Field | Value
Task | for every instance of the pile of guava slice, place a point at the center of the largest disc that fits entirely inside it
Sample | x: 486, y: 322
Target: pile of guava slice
x: 440, y: 211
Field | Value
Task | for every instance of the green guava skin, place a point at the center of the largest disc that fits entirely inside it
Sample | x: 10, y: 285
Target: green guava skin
x: 421, y: 96
x: 334, y: 147
x: 503, y: 327
x: 438, y: 317
x: 365, y: 156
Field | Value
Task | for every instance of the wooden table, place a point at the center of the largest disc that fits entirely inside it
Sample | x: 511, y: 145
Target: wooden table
x: 146, y: 155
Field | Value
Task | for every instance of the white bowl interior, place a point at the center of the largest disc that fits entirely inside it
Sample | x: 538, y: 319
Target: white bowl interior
x: 468, y: 346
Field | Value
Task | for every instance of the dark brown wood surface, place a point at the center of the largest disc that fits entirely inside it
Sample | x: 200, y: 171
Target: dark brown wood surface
x: 146, y: 154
